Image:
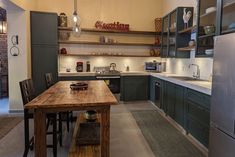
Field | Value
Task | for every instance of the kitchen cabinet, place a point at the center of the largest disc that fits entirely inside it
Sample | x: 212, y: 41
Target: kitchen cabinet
x: 174, y: 102
x: 189, y: 108
x: 77, y: 78
x: 134, y: 88
x: 153, y: 95
x: 172, y: 40
x: 44, y: 48
x: 198, y: 115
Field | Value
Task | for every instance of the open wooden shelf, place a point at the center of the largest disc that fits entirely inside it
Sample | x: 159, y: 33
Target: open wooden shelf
x: 106, y: 55
x: 187, y: 30
x: 98, y: 43
x: 206, y: 36
x: 111, y: 31
x: 188, y: 48
x: 228, y: 31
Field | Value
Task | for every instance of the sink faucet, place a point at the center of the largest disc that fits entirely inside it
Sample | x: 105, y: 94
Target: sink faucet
x: 197, y: 75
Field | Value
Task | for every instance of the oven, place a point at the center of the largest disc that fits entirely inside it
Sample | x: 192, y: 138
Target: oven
x: 113, y: 82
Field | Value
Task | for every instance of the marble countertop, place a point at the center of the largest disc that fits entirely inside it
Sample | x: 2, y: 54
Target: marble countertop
x: 202, y: 86
x: 198, y: 85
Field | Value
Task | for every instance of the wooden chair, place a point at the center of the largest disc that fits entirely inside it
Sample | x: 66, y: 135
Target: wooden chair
x: 28, y: 94
x: 66, y: 116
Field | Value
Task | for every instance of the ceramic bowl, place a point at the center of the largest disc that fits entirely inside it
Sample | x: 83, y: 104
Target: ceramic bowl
x: 209, y: 29
x: 90, y: 115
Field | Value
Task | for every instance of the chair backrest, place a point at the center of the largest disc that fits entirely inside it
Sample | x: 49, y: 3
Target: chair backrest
x: 49, y: 80
x: 27, y: 90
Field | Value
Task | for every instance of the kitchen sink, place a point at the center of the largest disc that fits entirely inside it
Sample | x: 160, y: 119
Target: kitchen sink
x: 185, y: 78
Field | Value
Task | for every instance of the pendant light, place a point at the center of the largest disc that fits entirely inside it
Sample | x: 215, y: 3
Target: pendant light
x: 3, y: 24
x: 76, y: 18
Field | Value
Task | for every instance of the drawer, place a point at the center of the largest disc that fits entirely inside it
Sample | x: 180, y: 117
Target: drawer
x: 199, y: 113
x: 198, y: 98
x: 198, y: 131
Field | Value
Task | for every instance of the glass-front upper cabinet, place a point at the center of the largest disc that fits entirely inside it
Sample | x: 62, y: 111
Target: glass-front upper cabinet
x: 165, y: 33
x: 206, y: 27
x: 228, y: 16
x: 172, y: 34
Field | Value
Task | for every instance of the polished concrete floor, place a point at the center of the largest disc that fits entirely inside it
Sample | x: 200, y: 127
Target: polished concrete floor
x: 126, y: 138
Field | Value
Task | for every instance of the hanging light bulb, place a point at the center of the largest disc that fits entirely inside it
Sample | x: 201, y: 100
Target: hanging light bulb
x: 75, y: 17
x: 77, y: 30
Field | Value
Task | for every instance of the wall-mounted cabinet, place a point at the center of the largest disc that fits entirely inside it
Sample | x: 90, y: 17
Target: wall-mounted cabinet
x: 174, y: 36
x: 216, y: 17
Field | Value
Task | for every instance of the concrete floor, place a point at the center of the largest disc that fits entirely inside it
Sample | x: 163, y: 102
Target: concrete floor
x: 126, y: 138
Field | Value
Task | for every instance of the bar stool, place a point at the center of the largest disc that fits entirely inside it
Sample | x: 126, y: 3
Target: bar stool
x: 28, y: 94
x: 66, y: 116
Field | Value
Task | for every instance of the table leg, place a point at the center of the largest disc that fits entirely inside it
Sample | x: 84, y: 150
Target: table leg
x: 40, y: 133
x: 105, y: 131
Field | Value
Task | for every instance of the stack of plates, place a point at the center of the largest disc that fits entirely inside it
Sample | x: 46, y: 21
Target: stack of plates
x: 209, y: 52
x: 211, y: 9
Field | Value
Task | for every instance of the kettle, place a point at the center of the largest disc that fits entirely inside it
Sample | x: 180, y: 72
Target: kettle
x: 112, y: 66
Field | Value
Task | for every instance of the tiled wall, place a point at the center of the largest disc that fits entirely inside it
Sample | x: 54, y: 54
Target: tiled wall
x: 3, y: 66
x: 181, y: 66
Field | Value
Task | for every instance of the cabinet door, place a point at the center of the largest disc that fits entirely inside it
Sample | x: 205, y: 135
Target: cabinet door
x: 179, y: 105
x: 152, y: 88
x: 44, y: 60
x: 170, y: 99
x: 44, y: 28
x: 134, y: 88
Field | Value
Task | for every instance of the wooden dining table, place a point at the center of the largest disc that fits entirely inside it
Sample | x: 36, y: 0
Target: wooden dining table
x: 60, y: 98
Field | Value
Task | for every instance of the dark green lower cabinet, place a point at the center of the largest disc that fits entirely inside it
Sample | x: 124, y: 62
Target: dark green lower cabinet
x: 170, y: 96
x: 189, y: 108
x: 198, y: 115
x: 134, y: 88
x: 77, y: 78
x: 179, y: 105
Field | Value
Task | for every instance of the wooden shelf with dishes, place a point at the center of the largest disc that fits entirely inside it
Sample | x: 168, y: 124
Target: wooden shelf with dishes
x: 152, y: 33
x: 111, y: 44
x: 106, y: 55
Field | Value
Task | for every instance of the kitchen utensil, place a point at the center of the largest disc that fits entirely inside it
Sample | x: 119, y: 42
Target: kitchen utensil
x: 158, y: 24
x: 231, y: 26
x: 90, y: 115
x: 210, y: 9
x: 112, y: 66
x: 79, y: 67
x: 63, y: 51
x: 63, y: 22
x: 152, y: 52
x: 88, y: 66
x: 63, y: 35
x: 209, y: 52
x: 79, y: 86
x: 209, y: 29
x: 191, y: 43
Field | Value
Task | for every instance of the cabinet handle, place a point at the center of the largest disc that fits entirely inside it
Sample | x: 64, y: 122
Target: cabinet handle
x: 234, y: 128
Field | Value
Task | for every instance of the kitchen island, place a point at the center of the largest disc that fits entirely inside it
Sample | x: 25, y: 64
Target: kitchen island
x: 60, y: 98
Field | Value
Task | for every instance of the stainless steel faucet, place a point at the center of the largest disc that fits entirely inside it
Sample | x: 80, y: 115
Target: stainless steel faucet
x: 197, y: 75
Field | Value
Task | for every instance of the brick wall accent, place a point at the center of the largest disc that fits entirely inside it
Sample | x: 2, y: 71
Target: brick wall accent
x: 3, y: 66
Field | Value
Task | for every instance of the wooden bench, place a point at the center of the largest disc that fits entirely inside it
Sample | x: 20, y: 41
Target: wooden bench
x: 83, y: 151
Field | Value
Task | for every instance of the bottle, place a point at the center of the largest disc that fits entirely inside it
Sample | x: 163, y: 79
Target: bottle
x: 88, y: 66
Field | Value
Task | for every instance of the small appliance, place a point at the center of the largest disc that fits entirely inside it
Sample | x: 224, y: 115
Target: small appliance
x: 79, y: 67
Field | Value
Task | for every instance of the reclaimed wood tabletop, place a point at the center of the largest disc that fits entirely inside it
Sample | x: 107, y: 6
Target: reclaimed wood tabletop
x: 60, y: 98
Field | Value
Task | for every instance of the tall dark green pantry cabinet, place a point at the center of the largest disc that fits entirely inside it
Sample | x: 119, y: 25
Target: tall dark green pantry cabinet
x: 44, y: 47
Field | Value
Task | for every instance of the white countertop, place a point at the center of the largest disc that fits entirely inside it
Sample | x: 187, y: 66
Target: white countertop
x: 200, y: 86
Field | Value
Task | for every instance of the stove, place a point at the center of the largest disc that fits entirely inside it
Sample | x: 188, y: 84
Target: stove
x: 111, y: 78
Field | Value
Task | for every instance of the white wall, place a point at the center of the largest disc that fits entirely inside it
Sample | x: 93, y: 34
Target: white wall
x: 18, y: 65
